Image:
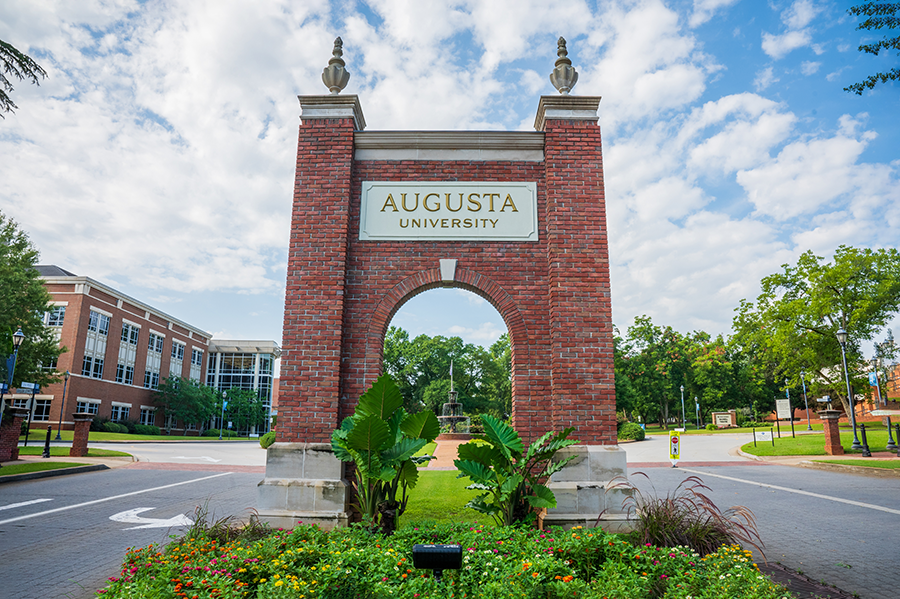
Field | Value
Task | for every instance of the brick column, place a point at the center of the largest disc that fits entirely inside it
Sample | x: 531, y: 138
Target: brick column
x: 304, y: 480
x: 583, y: 379
x: 82, y: 431
x: 317, y: 262
x: 10, y: 429
x: 580, y: 309
x: 832, y: 434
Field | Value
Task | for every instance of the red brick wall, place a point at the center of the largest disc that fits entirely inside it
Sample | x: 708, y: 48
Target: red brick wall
x: 553, y: 294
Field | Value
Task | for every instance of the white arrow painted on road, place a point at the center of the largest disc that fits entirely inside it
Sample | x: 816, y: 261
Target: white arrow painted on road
x: 131, y: 517
x: 203, y: 457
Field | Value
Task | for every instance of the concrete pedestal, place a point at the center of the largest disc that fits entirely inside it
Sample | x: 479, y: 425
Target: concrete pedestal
x: 304, y: 482
x: 586, y: 488
x: 832, y: 434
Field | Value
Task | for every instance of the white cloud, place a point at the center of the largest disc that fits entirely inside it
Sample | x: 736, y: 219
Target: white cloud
x: 484, y: 334
x: 764, y: 79
x: 704, y: 10
x: 810, y: 175
x: 800, y: 14
x: 809, y: 67
x: 779, y: 46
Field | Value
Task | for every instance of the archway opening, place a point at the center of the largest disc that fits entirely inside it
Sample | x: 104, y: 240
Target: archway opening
x: 443, y: 325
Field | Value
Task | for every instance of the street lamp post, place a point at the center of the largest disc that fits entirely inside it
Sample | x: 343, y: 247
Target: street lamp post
x: 222, y: 423
x: 842, y: 339
x: 18, y: 337
x: 805, y: 400
x: 683, y: 425
x: 697, y: 405
x: 62, y: 406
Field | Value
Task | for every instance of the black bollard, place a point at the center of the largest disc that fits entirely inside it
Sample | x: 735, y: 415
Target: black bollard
x: 46, y: 452
x: 897, y: 429
x: 891, y: 446
x: 865, y: 445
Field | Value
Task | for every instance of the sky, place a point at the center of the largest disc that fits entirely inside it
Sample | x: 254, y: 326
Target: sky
x: 157, y: 156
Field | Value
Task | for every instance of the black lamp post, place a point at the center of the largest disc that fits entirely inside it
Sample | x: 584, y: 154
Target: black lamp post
x: 842, y: 339
x: 17, y: 337
x: 805, y: 400
x: 62, y: 406
x: 697, y: 406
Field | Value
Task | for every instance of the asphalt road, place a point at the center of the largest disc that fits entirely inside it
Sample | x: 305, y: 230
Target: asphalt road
x: 835, y: 527
x: 64, y: 544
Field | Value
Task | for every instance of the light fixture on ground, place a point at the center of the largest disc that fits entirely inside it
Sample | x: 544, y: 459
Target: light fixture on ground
x: 683, y: 425
x: 805, y: 400
x: 62, y: 406
x: 842, y: 339
x: 437, y: 558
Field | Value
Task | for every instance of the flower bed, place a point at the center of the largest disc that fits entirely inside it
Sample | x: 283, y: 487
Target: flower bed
x: 307, y: 562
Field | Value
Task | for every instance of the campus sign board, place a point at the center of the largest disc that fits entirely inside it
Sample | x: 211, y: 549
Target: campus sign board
x: 783, y: 409
x: 448, y: 211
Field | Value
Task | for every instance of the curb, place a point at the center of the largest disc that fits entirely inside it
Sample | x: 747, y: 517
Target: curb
x: 13, y: 478
x: 862, y: 470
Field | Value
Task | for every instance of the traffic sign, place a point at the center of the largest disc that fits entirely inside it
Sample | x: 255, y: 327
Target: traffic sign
x: 674, y: 446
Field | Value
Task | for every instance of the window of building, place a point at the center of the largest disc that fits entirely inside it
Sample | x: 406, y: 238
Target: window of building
x: 41, y: 410
x: 119, y: 412
x: 89, y: 406
x: 95, y: 345
x: 170, y: 421
x: 148, y: 415
x: 196, y: 363
x: 176, y: 364
x: 154, y: 361
x: 127, y: 353
x: 55, y: 316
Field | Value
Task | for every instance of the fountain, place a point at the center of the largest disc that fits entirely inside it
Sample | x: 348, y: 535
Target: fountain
x: 454, y: 424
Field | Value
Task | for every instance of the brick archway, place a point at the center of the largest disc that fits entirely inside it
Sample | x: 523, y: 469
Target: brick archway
x: 470, y: 281
x: 347, y: 276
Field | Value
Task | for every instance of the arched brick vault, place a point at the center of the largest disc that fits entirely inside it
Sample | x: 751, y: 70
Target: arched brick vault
x: 429, y: 279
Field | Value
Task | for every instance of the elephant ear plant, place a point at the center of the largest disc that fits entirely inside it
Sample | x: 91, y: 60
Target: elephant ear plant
x: 498, y: 463
x: 381, y: 439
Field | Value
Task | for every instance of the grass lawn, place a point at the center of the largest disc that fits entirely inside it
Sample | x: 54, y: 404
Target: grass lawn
x: 441, y: 497
x: 64, y: 451
x: 427, y: 450
x: 97, y: 436
x: 867, y: 463
x: 35, y: 467
x: 813, y: 444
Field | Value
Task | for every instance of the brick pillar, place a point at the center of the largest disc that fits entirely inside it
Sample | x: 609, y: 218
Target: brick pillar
x: 10, y: 429
x: 82, y: 431
x: 832, y: 434
x: 317, y: 261
x: 582, y: 375
x: 583, y: 379
x: 304, y: 480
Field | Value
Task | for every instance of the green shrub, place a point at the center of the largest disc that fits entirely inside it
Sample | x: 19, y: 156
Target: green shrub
x: 114, y: 427
x: 130, y: 426
x: 711, y: 427
x: 266, y: 440
x: 146, y: 429
x: 97, y: 424
x: 632, y: 432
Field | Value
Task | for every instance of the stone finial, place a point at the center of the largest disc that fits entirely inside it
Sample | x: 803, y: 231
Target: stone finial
x: 335, y: 76
x: 564, y: 77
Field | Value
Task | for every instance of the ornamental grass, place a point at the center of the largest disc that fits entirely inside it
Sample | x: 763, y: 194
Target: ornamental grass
x: 509, y: 562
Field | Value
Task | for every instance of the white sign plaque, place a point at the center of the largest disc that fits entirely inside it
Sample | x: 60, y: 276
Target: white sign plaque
x: 449, y: 210
x: 783, y: 409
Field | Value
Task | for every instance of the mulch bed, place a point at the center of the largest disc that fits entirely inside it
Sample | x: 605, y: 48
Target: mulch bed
x: 802, y: 586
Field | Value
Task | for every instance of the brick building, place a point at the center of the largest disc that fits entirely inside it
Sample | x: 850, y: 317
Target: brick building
x: 118, y: 350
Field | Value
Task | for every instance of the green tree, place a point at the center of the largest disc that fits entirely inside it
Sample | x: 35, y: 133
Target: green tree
x: 245, y: 409
x: 793, y: 323
x: 187, y: 400
x: 20, y: 66
x: 23, y: 303
x: 421, y: 369
x: 878, y: 16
